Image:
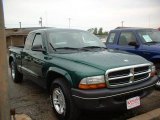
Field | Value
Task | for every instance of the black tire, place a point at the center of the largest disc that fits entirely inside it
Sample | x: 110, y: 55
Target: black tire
x: 71, y: 112
x: 17, y: 77
x: 158, y: 73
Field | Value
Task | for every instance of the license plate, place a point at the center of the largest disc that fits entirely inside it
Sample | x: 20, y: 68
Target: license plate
x: 133, y: 102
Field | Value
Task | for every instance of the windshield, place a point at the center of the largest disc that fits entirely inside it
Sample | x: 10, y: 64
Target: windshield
x: 73, y: 39
x: 150, y: 36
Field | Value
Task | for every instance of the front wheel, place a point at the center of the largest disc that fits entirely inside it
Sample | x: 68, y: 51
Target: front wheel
x: 61, y: 100
x: 158, y: 74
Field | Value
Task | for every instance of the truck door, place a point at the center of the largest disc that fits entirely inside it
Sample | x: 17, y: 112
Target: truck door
x: 37, y: 56
x: 25, y: 54
x: 127, y: 42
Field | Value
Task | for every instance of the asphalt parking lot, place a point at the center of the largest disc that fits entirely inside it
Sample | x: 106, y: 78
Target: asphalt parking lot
x: 30, y: 99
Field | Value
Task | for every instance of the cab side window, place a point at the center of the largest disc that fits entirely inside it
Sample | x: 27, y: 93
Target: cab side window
x: 37, y: 43
x: 111, y: 38
x: 29, y: 40
x: 126, y: 38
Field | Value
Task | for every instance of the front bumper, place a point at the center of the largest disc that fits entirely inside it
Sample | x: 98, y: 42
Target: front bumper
x: 111, y: 98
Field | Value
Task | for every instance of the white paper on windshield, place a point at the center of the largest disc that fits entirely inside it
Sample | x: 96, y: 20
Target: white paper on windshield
x: 147, y: 38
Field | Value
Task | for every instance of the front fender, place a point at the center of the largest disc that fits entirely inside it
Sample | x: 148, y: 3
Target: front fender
x: 61, y: 72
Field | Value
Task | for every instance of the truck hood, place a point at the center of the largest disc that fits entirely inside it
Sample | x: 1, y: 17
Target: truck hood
x: 103, y: 59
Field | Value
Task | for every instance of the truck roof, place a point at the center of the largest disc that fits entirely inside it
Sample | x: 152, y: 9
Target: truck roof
x: 131, y: 29
x: 56, y: 29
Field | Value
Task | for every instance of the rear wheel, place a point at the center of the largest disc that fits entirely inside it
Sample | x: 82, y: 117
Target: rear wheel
x: 61, y: 100
x: 17, y: 77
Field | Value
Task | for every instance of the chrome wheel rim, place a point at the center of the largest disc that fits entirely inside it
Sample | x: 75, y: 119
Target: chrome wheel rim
x: 59, y: 101
x: 13, y: 70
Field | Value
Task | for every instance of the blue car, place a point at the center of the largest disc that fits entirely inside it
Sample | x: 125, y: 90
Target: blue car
x: 141, y: 41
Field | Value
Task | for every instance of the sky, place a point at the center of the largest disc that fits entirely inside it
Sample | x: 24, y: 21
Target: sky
x: 83, y: 14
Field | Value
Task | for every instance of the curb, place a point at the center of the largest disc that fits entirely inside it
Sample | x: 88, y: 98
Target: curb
x: 152, y: 115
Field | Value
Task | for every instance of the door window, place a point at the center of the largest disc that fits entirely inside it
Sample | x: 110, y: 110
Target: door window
x: 126, y: 38
x: 111, y: 38
x: 37, y: 43
x: 29, y: 40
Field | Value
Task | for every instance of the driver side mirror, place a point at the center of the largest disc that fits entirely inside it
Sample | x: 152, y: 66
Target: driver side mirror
x: 133, y: 44
x: 38, y: 48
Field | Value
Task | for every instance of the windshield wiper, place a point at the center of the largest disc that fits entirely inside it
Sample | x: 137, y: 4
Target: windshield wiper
x: 67, y: 48
x: 94, y: 47
x: 152, y: 42
x: 83, y: 48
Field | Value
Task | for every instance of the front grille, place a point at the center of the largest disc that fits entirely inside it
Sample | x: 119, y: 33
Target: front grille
x: 140, y: 77
x: 119, y: 81
x: 119, y: 73
x: 127, y: 75
x: 141, y: 69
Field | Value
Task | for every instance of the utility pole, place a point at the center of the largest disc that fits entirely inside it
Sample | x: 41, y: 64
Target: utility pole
x: 4, y: 101
x: 122, y: 23
x: 69, y: 20
x: 20, y: 25
x: 40, y: 21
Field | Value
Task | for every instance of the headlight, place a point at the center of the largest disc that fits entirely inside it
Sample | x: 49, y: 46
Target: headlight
x: 92, y: 82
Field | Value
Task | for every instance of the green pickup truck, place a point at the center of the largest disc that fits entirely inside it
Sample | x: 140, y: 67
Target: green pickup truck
x: 80, y: 73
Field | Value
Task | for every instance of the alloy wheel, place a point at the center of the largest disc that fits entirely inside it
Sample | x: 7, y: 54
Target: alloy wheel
x: 59, y: 101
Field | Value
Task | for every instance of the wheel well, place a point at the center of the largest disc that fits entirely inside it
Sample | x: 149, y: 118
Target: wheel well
x: 51, y: 76
x: 10, y: 60
x: 155, y: 61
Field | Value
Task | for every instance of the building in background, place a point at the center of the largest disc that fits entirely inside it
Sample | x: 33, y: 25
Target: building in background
x: 17, y: 36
